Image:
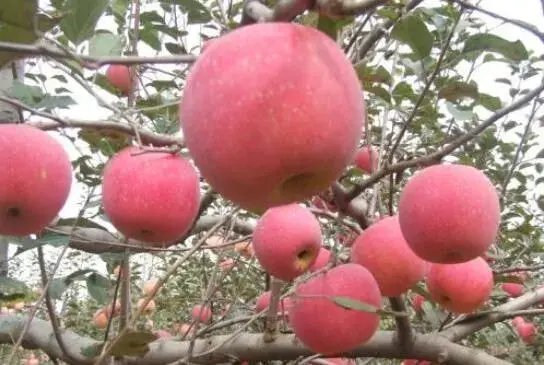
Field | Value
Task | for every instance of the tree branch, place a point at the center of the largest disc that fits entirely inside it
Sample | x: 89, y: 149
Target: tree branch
x: 248, y: 346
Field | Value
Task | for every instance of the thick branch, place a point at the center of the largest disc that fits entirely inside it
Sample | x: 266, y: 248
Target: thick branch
x: 248, y: 346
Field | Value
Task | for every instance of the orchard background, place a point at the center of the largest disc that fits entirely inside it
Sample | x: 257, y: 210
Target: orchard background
x: 443, y: 81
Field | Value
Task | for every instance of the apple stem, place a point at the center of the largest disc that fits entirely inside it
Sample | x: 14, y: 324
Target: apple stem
x: 271, y: 325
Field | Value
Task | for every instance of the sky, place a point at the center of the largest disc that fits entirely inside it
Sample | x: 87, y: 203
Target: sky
x: 87, y: 108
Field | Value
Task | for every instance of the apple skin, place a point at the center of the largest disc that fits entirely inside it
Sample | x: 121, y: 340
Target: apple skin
x: 382, y: 249
x: 35, y: 179
x: 527, y: 332
x: 366, y: 159
x: 449, y: 213
x: 149, y: 287
x: 100, y: 319
x: 202, y: 313
x: 417, y: 302
x: 263, y: 301
x: 517, y: 321
x: 293, y: 127
x: 322, y: 260
x: 287, y: 240
x: 151, y: 197
x: 461, y: 288
x: 119, y: 76
x: 149, y: 308
x: 514, y: 290
x: 314, y: 315
x: 416, y: 362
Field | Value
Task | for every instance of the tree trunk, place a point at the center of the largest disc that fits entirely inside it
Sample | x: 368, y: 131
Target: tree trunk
x: 8, y: 114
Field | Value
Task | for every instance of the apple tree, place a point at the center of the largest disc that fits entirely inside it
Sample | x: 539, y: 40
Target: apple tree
x: 291, y: 181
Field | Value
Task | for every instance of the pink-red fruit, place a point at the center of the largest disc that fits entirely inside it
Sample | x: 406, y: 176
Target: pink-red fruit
x: 322, y: 260
x: 366, y: 159
x: 35, y: 179
x: 381, y: 248
x: 263, y: 301
x: 449, y: 213
x: 287, y: 240
x: 202, y: 313
x: 119, y: 76
x: 288, y: 133
x: 323, y: 325
x: 461, y: 288
x: 150, y: 196
x: 512, y: 289
x: 417, y: 302
x: 517, y: 321
x: 527, y: 332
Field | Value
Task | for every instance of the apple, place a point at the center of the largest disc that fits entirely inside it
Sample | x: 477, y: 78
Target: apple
x: 272, y: 114
x: 120, y: 77
x: 113, y: 309
x: 417, y: 302
x: 287, y: 240
x: 335, y: 361
x: 382, y: 249
x: 263, y: 301
x: 527, y: 332
x: 366, y: 159
x: 227, y: 264
x: 323, y: 325
x: 100, y: 319
x: 449, y: 214
x: 245, y: 249
x: 151, y: 196
x: 322, y: 260
x: 513, y: 289
x: 35, y: 179
x: 517, y: 321
x: 202, y: 313
x: 149, y: 287
x: 461, y: 288
x: 416, y: 362
x: 185, y: 329
x: 149, y: 308
x: 163, y: 334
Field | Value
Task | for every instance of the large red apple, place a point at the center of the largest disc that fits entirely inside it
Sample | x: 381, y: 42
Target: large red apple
x: 272, y: 114
x: 381, y: 248
x: 449, y: 213
x: 150, y: 196
x: 323, y: 325
x: 512, y: 289
x: 119, y: 76
x: 366, y: 159
x: 461, y: 288
x: 35, y: 179
x: 287, y: 240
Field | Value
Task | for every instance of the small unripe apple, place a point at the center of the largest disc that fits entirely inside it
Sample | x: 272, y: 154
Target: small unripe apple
x: 120, y: 77
x: 513, y: 289
x: 202, y: 313
x: 461, y: 288
x: 287, y: 134
x: 35, y: 179
x: 366, y: 159
x: 151, y: 196
x: 449, y: 213
x: 287, y: 240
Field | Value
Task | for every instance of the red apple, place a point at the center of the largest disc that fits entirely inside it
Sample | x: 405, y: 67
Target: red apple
x: 416, y: 362
x: 272, y: 114
x: 151, y: 196
x: 417, y: 302
x: 287, y: 240
x: 517, y: 321
x: 263, y: 301
x: 100, y: 319
x: 449, y: 213
x: 149, y: 287
x: 527, y: 332
x: 461, y: 288
x: 163, y: 334
x: 119, y: 76
x: 227, y: 264
x: 322, y: 260
x: 323, y: 325
x: 202, y: 313
x: 366, y: 159
x: 35, y: 179
x: 149, y: 308
x: 381, y: 248
x: 512, y: 289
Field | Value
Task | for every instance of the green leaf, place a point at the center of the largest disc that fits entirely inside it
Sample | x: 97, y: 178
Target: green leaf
x: 29, y: 95
x: 349, y: 303
x: 196, y: 12
x: 97, y: 286
x: 11, y: 289
x: 455, y: 90
x: 49, y: 238
x: 479, y: 43
x: 150, y: 36
x: 458, y: 113
x: 414, y: 32
x: 59, y: 285
x: 133, y: 343
x: 489, y: 102
x: 105, y: 44
x: 81, y: 18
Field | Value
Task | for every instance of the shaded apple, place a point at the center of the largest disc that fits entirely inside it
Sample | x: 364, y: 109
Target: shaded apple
x: 461, y: 288
x: 417, y: 302
x: 382, y: 249
x: 322, y: 260
x: 366, y: 159
x: 151, y: 196
x: 289, y: 132
x: 512, y: 289
x: 287, y: 240
x: 202, y: 313
x: 449, y: 213
x: 527, y: 332
x: 35, y: 179
x: 323, y: 325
